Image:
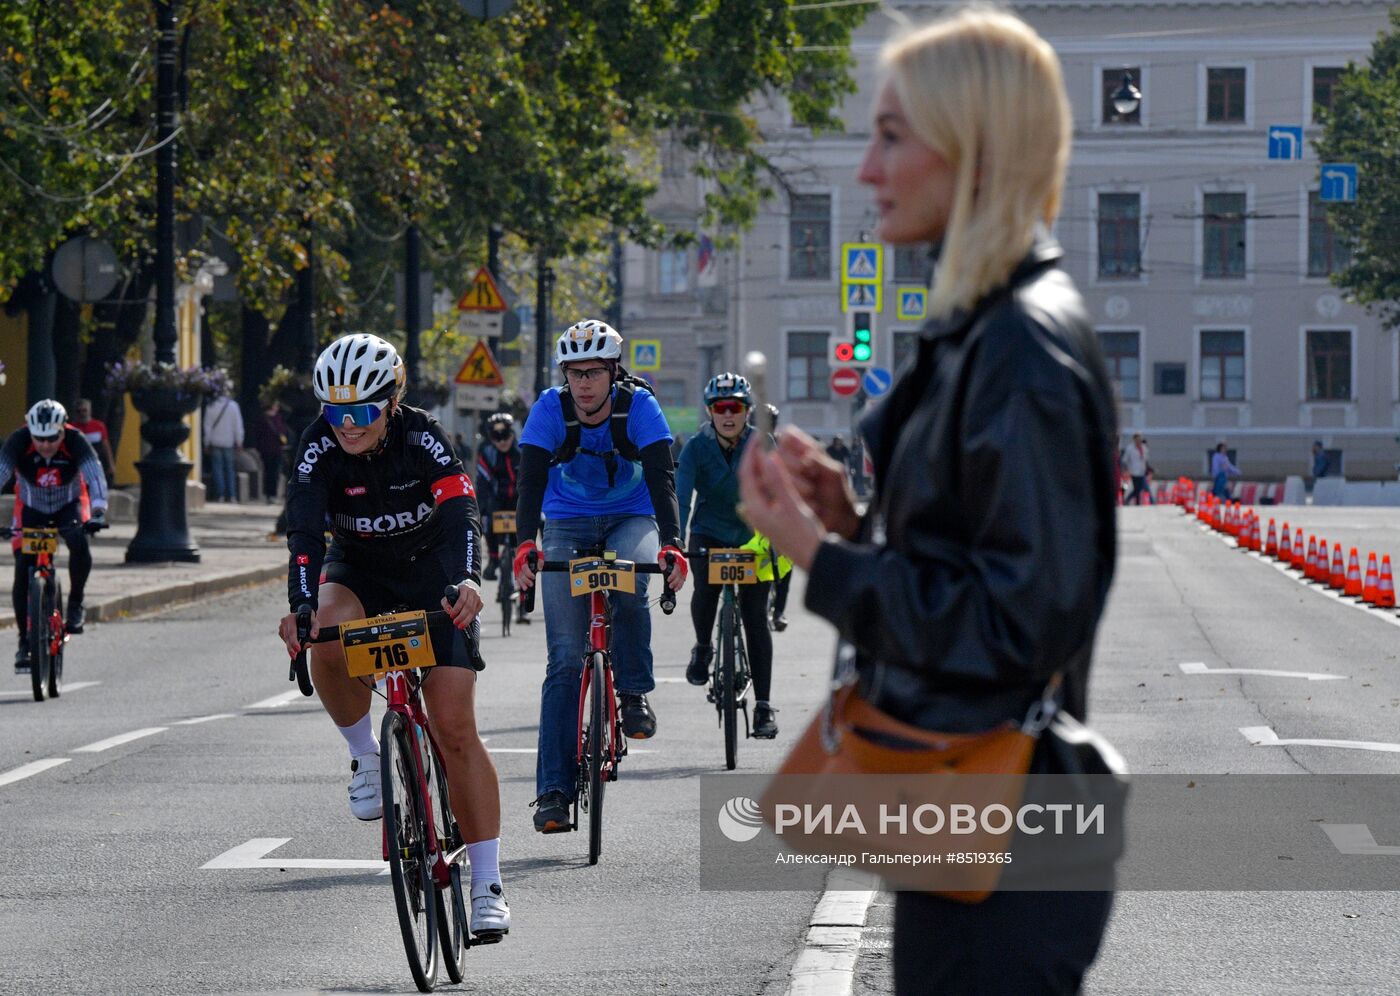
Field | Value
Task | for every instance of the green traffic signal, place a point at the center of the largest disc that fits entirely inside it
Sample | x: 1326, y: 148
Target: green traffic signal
x: 861, y: 353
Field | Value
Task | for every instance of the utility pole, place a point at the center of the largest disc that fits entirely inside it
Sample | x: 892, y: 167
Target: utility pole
x: 544, y: 284
x: 412, y: 308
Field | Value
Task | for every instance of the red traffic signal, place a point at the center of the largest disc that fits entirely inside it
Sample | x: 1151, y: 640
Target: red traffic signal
x: 845, y: 352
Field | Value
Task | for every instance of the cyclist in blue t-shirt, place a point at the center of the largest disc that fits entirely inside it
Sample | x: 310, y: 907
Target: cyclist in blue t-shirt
x: 596, y: 460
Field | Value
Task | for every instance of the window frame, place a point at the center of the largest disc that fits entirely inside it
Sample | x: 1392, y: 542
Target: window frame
x: 684, y: 256
x: 1109, y: 359
x: 1305, y: 241
x: 1095, y: 278
x: 1140, y: 78
x: 788, y: 332
x: 1310, y: 68
x: 1200, y: 237
x: 1305, y: 365
x: 833, y: 250
x: 1203, y: 94
x: 1198, y: 365
x: 920, y: 251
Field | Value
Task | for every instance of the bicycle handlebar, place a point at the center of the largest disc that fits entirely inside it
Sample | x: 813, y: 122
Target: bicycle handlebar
x: 668, y: 597
x: 301, y: 674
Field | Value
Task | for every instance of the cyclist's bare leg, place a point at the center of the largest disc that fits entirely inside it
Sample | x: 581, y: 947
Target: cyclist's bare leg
x: 450, y: 694
x: 346, y: 699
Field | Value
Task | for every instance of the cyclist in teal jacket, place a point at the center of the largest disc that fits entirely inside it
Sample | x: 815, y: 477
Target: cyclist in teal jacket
x: 709, y: 467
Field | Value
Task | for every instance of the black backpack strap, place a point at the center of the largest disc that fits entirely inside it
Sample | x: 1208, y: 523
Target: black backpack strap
x: 573, y: 432
x: 623, y: 446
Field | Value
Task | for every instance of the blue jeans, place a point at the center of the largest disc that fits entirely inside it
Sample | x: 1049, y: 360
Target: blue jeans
x: 221, y: 465
x: 634, y: 537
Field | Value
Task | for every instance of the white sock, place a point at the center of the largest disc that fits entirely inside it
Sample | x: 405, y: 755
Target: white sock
x: 485, y: 859
x: 360, y: 737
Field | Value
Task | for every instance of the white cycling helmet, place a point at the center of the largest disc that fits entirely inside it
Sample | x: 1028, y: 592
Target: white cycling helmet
x: 589, y: 339
x: 358, y: 367
x: 45, y: 420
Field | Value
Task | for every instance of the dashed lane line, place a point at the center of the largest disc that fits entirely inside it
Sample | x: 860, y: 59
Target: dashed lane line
x: 75, y: 686
x: 826, y: 966
x: 32, y: 768
x: 119, y: 739
x: 203, y: 719
x: 254, y: 853
x: 1199, y: 667
x: 277, y: 701
x: 1264, y: 736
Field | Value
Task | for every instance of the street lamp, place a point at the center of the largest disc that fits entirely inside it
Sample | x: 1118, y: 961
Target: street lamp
x: 1127, y: 97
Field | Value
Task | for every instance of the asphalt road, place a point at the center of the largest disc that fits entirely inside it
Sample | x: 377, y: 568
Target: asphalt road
x: 104, y: 889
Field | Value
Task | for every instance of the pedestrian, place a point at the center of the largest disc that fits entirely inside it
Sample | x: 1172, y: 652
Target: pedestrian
x: 1221, y: 470
x: 839, y: 451
x: 270, y: 438
x: 1319, y: 455
x: 1135, y: 463
x: 223, y: 437
x: 95, y: 431
x: 974, y: 584
x: 777, y: 609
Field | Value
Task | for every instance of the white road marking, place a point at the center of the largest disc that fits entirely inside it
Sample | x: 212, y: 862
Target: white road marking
x: 119, y: 739
x: 32, y: 768
x: 536, y: 750
x: 277, y: 701
x: 826, y: 965
x: 1355, y: 838
x: 1264, y: 736
x: 254, y: 855
x: 203, y: 719
x: 1198, y: 667
x: 76, y: 686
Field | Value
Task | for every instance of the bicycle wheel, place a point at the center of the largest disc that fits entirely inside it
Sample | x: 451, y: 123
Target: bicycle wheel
x: 505, y: 591
x: 39, y: 636
x: 453, y: 932
x: 599, y: 738
x: 724, y: 678
x: 56, y: 658
x: 405, y: 838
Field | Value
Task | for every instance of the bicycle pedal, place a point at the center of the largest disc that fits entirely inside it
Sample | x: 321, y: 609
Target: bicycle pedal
x: 489, y: 936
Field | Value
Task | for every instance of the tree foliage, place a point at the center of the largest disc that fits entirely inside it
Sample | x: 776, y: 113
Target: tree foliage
x: 1363, y: 127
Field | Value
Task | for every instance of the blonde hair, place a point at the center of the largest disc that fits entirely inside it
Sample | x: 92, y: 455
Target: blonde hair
x: 985, y: 92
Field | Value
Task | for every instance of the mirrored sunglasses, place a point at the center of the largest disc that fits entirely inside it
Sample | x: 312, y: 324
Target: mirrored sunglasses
x: 361, y: 415
x: 728, y: 407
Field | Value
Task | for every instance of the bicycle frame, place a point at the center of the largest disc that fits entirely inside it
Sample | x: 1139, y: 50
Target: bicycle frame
x: 43, y: 572
x: 599, y: 638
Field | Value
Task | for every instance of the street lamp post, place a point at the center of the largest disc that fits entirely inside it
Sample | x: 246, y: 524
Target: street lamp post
x: 162, y: 532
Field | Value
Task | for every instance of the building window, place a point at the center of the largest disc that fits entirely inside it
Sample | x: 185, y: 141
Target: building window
x: 1324, y: 90
x: 1169, y: 378
x: 1225, y: 95
x: 1120, y: 353
x: 912, y: 265
x: 808, y: 375
x: 1223, y: 239
x: 1222, y: 365
x: 673, y: 394
x: 809, y: 237
x: 1326, y: 252
x: 1111, y: 81
x: 1329, y: 365
x: 673, y: 271
x: 906, y: 344
x: 1119, y: 235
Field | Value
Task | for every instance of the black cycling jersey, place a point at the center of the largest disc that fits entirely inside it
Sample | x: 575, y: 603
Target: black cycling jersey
x: 410, y: 496
x: 496, y: 476
x: 50, y: 485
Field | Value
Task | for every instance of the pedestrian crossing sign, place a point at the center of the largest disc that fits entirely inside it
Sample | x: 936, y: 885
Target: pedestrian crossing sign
x: 482, y: 295
x: 480, y: 369
x: 862, y: 263
x: 862, y: 297
x: 912, y: 303
x: 646, y: 354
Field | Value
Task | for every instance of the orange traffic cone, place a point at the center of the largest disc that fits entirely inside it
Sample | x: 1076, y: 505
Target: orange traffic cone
x: 1310, y: 567
x: 1353, y: 585
x: 1385, y: 594
x: 1255, y: 542
x: 1285, y: 546
x: 1300, y: 562
x: 1372, y: 586
x: 1337, y: 578
x: 1271, y: 543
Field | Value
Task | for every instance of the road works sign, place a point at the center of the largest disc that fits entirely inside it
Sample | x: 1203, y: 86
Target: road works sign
x: 480, y: 369
x: 482, y: 295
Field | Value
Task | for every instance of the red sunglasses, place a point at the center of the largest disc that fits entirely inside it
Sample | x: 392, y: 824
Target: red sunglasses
x: 728, y: 407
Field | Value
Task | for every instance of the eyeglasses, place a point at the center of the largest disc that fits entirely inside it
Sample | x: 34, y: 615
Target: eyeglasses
x: 361, y: 415
x: 585, y: 376
x: 502, y: 434
x: 728, y: 407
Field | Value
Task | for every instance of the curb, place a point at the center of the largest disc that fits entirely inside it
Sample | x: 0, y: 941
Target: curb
x: 159, y: 598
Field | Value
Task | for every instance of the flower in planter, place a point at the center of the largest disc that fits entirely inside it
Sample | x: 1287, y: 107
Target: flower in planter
x: 133, y: 375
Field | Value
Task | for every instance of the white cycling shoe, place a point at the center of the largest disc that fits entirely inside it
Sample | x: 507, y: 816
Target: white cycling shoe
x: 366, y: 801
x: 490, y: 912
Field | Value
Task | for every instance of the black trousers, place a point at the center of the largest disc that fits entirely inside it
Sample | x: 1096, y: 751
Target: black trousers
x: 780, y: 593
x: 69, y: 524
x: 753, y: 610
x: 272, y: 467
x: 1022, y: 943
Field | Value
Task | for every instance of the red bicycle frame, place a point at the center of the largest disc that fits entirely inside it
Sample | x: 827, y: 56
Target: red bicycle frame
x: 599, y: 627
x: 42, y: 571
x: 403, y: 699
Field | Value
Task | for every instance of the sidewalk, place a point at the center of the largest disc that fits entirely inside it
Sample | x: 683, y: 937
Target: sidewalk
x: 236, y: 548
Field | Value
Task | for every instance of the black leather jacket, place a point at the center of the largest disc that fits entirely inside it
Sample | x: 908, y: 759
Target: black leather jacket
x: 986, y: 556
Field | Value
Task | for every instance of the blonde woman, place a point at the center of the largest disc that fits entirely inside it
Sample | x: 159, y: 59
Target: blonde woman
x: 982, y: 566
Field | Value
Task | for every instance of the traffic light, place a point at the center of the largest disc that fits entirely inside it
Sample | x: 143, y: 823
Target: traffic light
x: 857, y: 348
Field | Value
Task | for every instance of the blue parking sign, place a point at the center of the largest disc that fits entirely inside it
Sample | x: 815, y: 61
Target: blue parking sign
x: 1285, y: 141
x: 1338, y: 182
